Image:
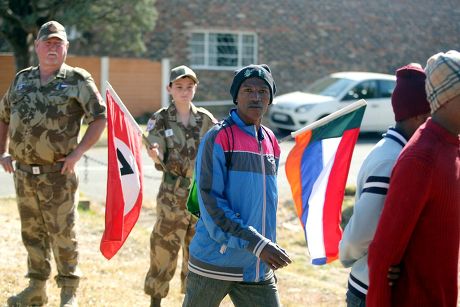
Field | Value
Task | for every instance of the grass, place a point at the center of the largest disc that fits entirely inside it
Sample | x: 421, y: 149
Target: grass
x: 119, y: 282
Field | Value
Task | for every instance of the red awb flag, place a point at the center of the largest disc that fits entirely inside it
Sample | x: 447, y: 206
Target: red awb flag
x: 124, y: 175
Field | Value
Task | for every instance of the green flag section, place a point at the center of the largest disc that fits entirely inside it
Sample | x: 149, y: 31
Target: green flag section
x: 192, y: 202
x: 336, y: 127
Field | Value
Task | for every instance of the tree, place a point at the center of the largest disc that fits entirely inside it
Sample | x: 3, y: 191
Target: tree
x: 102, y: 27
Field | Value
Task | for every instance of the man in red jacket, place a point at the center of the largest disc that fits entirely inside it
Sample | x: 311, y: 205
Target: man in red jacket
x: 419, y: 228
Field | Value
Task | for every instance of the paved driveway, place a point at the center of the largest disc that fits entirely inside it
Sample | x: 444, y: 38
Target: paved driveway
x: 93, y: 172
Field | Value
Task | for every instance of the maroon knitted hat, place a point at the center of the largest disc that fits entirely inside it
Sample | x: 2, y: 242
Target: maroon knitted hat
x: 409, y: 96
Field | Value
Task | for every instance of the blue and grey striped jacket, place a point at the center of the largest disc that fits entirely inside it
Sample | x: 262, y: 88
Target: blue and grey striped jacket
x: 236, y: 170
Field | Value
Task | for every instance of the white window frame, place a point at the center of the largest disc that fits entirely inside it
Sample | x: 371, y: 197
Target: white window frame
x: 206, y: 34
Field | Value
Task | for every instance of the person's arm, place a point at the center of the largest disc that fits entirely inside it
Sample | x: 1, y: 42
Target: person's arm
x: 91, y: 136
x: 360, y: 230
x: 5, y: 158
x: 155, y: 153
x: 94, y: 113
x: 274, y: 256
x: 156, y: 135
x: 408, y: 192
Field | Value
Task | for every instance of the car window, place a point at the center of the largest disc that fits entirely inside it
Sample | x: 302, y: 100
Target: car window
x: 386, y: 88
x: 329, y: 86
x: 363, y: 90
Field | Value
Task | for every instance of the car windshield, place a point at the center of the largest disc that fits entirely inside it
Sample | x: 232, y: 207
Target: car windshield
x: 329, y: 86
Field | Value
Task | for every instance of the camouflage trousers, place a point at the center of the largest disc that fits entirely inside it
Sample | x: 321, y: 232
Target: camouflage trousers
x: 173, y: 230
x: 47, y: 205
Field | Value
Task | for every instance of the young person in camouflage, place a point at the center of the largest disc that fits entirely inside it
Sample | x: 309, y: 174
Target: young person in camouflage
x: 40, y: 116
x: 175, y: 133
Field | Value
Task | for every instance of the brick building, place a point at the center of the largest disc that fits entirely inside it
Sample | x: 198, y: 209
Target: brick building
x: 300, y: 39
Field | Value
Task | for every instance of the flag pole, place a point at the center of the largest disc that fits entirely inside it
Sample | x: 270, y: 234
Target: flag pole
x: 131, y: 119
x: 327, y: 119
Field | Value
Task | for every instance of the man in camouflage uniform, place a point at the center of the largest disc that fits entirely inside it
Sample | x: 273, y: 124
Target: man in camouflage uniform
x: 174, y: 133
x: 40, y: 116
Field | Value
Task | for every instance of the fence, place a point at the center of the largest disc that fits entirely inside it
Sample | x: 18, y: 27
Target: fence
x: 139, y: 82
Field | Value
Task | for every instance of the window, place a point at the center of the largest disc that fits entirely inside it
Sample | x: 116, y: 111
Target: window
x: 329, y: 86
x: 386, y: 88
x: 364, y: 90
x: 215, y: 50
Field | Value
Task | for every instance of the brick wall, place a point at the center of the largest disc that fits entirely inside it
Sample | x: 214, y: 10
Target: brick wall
x: 305, y: 39
x: 301, y: 40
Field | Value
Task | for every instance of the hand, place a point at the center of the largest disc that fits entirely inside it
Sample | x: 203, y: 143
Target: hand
x: 70, y: 161
x: 394, y: 272
x: 7, y: 162
x: 155, y: 153
x: 274, y: 256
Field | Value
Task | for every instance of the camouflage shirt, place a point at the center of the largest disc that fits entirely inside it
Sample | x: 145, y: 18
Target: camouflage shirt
x: 44, y: 120
x: 178, y: 143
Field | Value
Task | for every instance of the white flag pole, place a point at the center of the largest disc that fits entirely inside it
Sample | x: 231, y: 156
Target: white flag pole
x: 327, y: 119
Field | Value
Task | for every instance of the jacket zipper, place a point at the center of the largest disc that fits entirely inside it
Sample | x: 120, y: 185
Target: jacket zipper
x: 264, y: 207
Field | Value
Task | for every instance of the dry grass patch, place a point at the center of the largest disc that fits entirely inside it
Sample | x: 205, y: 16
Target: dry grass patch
x: 119, y: 282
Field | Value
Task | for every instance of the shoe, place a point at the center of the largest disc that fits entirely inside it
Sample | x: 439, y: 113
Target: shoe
x: 68, y: 297
x: 33, y: 295
x: 155, y: 301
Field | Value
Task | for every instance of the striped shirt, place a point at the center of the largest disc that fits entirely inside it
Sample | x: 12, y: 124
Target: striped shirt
x: 371, y: 190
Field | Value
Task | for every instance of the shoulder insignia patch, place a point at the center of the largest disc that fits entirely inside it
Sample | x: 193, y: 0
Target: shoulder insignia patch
x: 150, y: 124
x: 61, y: 86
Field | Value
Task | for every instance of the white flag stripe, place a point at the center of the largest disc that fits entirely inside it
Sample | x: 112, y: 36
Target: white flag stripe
x: 314, y: 225
x: 130, y: 183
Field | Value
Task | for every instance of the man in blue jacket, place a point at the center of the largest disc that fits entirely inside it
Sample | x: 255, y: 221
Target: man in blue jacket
x: 234, y: 250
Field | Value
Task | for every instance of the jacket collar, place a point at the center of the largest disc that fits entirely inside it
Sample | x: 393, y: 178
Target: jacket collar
x: 395, y: 135
x: 60, y: 73
x: 195, y: 117
x: 249, y: 129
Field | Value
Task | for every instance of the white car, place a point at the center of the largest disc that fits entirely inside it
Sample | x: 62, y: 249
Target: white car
x: 295, y: 110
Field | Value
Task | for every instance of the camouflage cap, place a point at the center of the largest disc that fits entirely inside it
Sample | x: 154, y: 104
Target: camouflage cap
x: 52, y: 29
x: 180, y: 72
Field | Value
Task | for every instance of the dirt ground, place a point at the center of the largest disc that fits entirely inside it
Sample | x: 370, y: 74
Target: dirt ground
x: 119, y: 282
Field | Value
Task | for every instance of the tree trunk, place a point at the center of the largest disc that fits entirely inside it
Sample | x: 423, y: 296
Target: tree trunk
x: 23, y: 48
x: 21, y: 57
